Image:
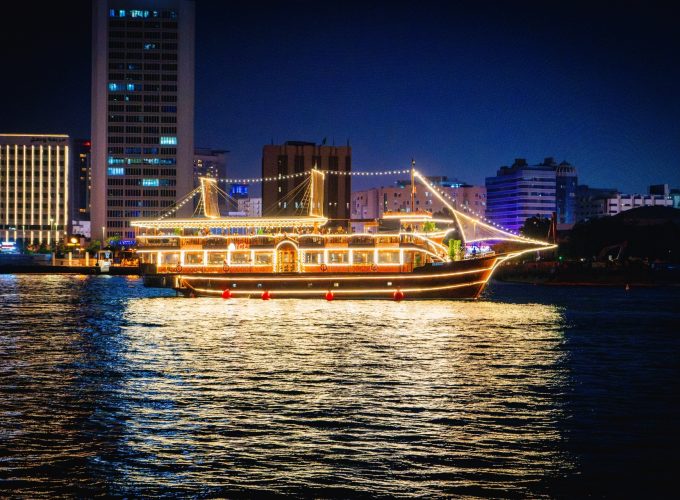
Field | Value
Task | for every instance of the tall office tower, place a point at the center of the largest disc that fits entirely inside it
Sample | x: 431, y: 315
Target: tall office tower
x: 285, y: 197
x: 519, y: 192
x: 81, y: 176
x: 34, y: 187
x: 209, y: 163
x: 565, y: 192
x: 142, y: 111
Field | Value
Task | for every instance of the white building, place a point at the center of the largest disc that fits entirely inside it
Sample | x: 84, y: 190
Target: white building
x: 251, y: 207
x: 622, y: 202
x: 34, y: 187
x: 373, y: 203
x: 142, y: 111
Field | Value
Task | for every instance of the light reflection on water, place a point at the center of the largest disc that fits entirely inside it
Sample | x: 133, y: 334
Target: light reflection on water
x: 107, y: 387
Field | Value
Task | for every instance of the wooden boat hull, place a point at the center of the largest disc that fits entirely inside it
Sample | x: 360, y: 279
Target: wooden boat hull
x: 455, y: 280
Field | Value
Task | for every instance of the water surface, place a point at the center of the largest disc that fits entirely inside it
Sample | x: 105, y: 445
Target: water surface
x: 110, y: 388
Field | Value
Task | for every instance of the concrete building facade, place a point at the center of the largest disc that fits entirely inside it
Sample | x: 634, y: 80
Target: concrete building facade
x: 521, y: 191
x: 285, y: 197
x: 601, y: 202
x: 209, y: 163
x: 142, y: 111
x: 35, y: 181
x: 81, y: 175
x: 250, y: 207
x: 373, y: 203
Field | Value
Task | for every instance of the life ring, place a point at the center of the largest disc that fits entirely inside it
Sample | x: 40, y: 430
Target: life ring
x: 374, y: 267
x: 324, y: 267
x: 225, y: 268
x: 178, y: 268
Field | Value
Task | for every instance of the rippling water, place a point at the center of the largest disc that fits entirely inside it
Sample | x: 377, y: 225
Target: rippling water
x: 110, y: 388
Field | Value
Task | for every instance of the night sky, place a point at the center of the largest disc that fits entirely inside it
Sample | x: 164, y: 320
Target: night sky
x: 463, y: 87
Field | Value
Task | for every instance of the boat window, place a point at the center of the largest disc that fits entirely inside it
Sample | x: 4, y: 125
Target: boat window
x: 193, y: 258
x: 313, y: 257
x: 216, y: 258
x: 170, y: 258
x: 388, y: 257
x: 263, y: 258
x: 363, y: 257
x: 338, y: 257
x: 240, y: 257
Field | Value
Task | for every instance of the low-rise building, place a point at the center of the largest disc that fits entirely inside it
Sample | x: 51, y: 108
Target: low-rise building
x: 592, y: 203
x: 250, y: 207
x: 373, y: 203
x: 34, y: 187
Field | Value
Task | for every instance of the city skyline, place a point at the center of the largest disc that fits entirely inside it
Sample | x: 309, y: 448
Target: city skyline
x: 462, y: 89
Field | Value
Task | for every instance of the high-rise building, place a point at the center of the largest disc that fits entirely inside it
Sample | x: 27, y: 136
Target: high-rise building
x: 285, y: 197
x: 34, y: 187
x: 142, y: 111
x: 522, y: 191
x: 566, y: 181
x: 209, y: 163
x: 81, y: 175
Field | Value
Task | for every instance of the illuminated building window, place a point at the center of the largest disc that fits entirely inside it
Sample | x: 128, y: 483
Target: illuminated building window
x: 150, y: 182
x: 113, y: 87
x: 168, y: 140
x: 139, y: 13
x: 115, y: 171
x: 133, y: 86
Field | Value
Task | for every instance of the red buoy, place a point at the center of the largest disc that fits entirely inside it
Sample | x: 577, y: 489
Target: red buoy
x: 329, y: 295
x: 226, y: 293
x: 398, y: 295
x: 266, y: 295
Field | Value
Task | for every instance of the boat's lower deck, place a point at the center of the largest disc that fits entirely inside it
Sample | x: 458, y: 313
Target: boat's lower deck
x: 456, y: 280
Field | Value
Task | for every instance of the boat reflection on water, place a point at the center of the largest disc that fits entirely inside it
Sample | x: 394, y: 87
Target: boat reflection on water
x: 426, y: 398
x: 213, y: 397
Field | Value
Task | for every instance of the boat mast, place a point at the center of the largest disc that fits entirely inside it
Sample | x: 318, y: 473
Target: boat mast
x: 413, y: 185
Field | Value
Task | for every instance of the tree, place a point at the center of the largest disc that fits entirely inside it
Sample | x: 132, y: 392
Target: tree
x: 429, y: 226
x: 536, y: 227
x: 94, y: 246
x: 455, y: 249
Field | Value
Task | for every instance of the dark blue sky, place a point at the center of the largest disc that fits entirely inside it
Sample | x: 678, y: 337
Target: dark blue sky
x: 463, y: 87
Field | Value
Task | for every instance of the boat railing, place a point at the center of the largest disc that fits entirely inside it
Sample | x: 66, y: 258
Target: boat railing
x: 191, y: 243
x: 337, y: 241
x: 309, y: 240
x: 260, y: 241
x: 387, y: 241
x: 156, y: 242
x: 362, y: 241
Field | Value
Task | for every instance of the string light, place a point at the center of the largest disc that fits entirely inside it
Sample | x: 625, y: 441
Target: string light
x: 308, y: 172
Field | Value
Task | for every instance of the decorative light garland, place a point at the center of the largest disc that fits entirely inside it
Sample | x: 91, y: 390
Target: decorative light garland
x: 338, y: 172
x: 308, y: 172
x: 469, y: 210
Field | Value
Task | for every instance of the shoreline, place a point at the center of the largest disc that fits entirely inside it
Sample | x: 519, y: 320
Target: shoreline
x: 40, y: 269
